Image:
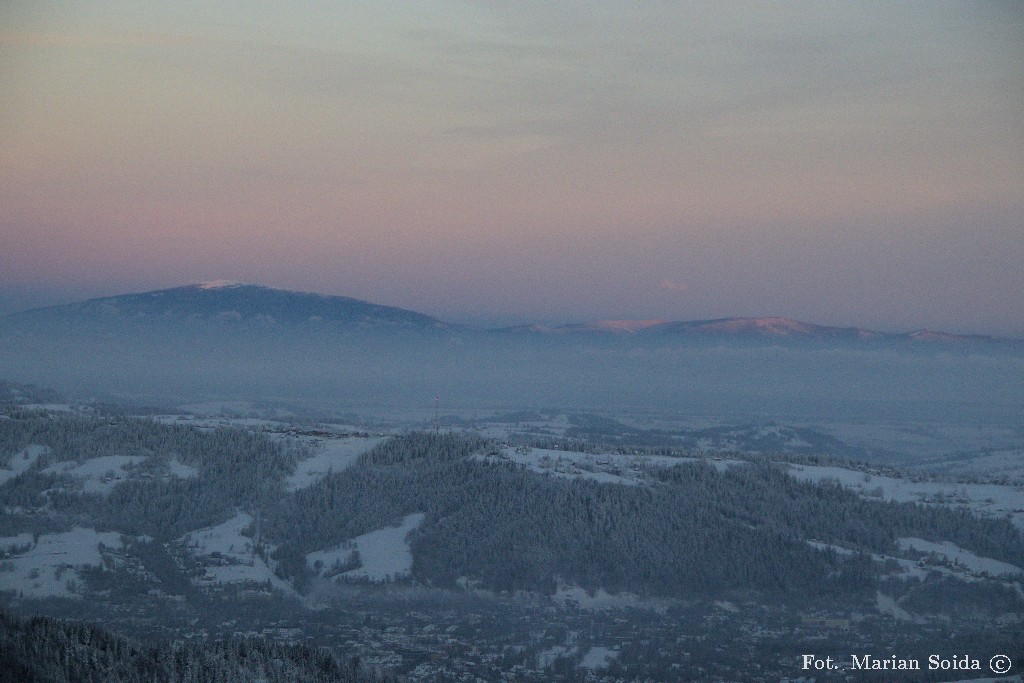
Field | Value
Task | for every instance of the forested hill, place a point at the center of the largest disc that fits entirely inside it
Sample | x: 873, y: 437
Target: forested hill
x: 686, y: 530
x: 55, y: 651
x: 691, y: 530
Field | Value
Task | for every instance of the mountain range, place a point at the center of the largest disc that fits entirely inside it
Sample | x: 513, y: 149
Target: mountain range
x: 225, y: 302
x: 227, y: 342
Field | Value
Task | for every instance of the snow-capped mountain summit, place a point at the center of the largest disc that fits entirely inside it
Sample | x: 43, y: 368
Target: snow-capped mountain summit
x: 218, y: 284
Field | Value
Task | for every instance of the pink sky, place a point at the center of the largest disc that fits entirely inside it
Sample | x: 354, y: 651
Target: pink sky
x: 843, y: 163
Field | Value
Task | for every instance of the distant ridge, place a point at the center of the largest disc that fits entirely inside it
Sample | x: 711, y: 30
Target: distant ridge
x: 764, y: 328
x: 767, y: 327
x: 225, y: 301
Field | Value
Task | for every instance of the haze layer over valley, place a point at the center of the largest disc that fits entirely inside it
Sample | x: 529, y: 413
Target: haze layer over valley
x: 236, y: 342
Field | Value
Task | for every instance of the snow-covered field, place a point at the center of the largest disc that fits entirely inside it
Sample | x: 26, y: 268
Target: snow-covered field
x: 944, y: 558
x: 334, y: 455
x: 49, y: 567
x: 228, y: 556
x: 988, y: 499
x: 98, y: 475
x: 101, y: 475
x: 607, y: 468
x: 213, y: 421
x: 384, y: 554
x: 959, y: 556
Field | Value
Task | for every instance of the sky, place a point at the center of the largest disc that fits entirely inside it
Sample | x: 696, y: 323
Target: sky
x: 851, y: 163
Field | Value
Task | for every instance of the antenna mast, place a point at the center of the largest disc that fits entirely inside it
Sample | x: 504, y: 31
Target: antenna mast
x: 437, y: 415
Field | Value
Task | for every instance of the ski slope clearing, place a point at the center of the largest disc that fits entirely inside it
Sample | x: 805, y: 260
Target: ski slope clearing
x: 227, y: 556
x: 958, y: 556
x: 384, y: 554
x: 49, y: 567
x: 21, y: 461
x: 98, y: 475
x: 996, y: 500
x: 334, y: 456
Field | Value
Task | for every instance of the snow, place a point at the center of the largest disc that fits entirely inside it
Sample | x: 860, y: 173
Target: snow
x: 384, y: 554
x: 335, y: 455
x: 212, y: 415
x: 1007, y: 462
x: 839, y: 550
x: 886, y: 605
x: 554, y: 425
x: 965, y: 558
x: 49, y: 568
x: 996, y: 500
x: 607, y: 468
x: 598, y: 658
x: 98, y: 475
x: 51, y: 407
x: 181, y: 470
x: 959, y: 563
x: 217, y: 284
x: 603, y: 600
x: 325, y: 562
x: 21, y: 461
x: 11, y: 543
x: 595, y: 658
x: 229, y: 556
